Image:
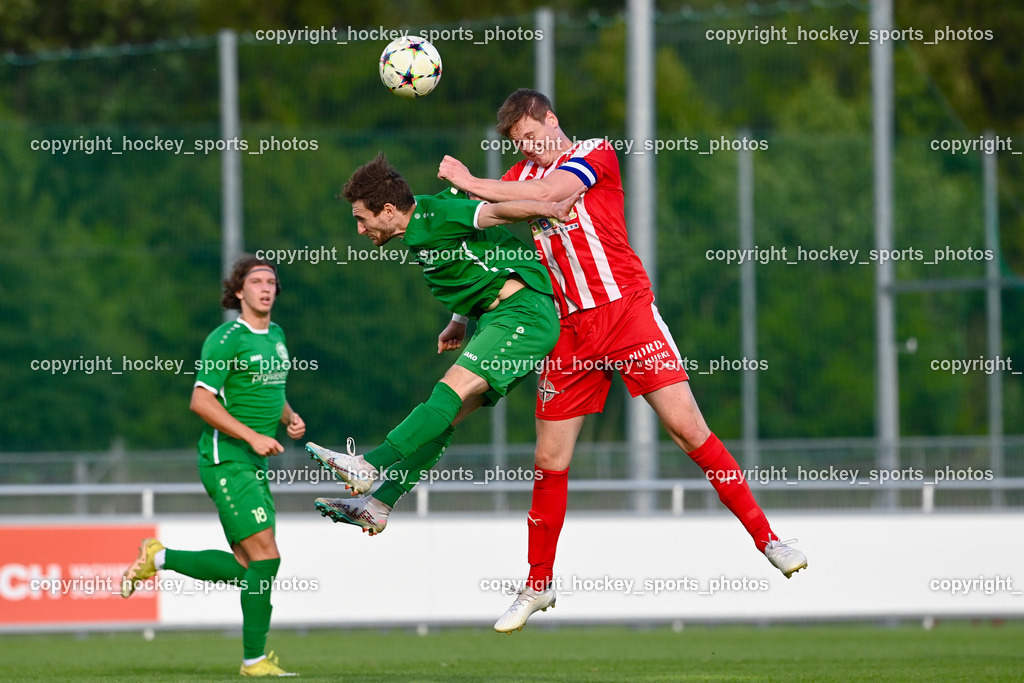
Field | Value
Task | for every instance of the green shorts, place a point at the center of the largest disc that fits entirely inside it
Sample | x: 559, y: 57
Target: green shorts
x: 242, y: 496
x: 511, y: 341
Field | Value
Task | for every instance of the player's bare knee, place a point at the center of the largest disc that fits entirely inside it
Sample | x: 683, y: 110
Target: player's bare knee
x: 260, y: 546
x: 686, y: 426
x: 695, y: 439
x: 465, y: 383
x: 543, y: 461
x: 240, y: 556
x: 689, y: 435
x: 555, y: 461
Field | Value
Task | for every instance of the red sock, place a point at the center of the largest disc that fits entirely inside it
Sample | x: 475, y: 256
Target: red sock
x: 725, y: 475
x: 547, y: 513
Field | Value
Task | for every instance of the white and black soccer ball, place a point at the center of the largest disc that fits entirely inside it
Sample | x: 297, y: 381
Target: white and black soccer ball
x: 410, y: 66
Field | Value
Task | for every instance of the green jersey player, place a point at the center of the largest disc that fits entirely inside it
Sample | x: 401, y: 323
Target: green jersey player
x: 477, y: 271
x: 240, y: 393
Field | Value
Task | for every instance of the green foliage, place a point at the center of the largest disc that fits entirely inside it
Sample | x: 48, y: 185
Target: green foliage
x: 119, y: 256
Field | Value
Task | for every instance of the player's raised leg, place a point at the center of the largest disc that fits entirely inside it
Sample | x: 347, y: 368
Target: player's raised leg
x: 510, y: 341
x: 417, y: 443
x: 425, y: 423
x: 403, y: 477
x: 371, y: 512
x: 144, y: 567
x: 228, y: 484
x: 256, y: 576
x: 206, y: 565
x: 678, y: 410
x: 351, y: 468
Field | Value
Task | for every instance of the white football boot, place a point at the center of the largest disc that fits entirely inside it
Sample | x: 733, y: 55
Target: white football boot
x: 786, y: 559
x: 365, y: 511
x: 353, y: 470
x: 526, y: 603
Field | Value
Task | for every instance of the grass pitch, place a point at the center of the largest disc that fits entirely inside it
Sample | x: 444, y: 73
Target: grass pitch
x: 952, y: 651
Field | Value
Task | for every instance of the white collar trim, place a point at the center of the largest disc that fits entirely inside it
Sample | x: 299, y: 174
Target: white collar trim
x: 251, y: 328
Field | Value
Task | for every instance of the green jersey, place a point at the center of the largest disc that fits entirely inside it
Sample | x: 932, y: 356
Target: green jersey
x: 247, y: 370
x: 464, y: 265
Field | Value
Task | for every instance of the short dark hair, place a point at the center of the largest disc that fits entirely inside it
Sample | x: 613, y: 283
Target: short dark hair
x: 234, y: 282
x: 523, y: 102
x: 377, y: 183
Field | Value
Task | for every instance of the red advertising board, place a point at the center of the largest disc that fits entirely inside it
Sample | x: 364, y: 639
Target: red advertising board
x: 71, y: 574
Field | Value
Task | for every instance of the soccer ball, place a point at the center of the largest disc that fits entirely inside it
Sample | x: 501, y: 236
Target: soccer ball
x: 410, y: 66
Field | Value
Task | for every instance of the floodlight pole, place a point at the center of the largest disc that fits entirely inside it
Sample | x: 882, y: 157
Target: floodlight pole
x: 887, y: 416
x: 642, y: 429
x: 544, y: 52
x: 232, y: 240
x: 499, y: 413
x: 748, y: 303
x: 994, y: 316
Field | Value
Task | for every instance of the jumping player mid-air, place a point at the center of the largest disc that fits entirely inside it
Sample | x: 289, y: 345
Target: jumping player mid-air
x: 608, y: 322
x: 242, y: 400
x: 476, y: 271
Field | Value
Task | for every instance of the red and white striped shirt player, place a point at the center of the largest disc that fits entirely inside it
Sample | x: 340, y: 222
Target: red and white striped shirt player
x: 589, y: 258
x: 609, y: 323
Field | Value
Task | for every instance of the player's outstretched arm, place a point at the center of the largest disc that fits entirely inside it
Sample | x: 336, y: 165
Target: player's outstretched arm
x: 526, y: 209
x: 205, y: 405
x: 554, y: 187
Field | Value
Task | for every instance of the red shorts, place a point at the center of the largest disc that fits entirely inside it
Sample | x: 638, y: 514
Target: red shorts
x: 626, y: 335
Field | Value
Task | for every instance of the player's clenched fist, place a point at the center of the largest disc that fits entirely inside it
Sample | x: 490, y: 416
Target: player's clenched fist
x: 451, y: 337
x: 265, y: 445
x: 296, y: 427
x: 563, y: 210
x: 454, y: 171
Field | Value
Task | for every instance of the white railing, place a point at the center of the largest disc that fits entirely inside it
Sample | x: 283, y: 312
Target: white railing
x: 678, y: 489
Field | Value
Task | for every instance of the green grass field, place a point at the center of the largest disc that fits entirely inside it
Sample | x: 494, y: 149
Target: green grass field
x: 952, y: 651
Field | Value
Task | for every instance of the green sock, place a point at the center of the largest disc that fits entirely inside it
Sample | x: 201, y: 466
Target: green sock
x: 425, y: 423
x: 256, y: 607
x: 208, y: 565
x: 413, y: 468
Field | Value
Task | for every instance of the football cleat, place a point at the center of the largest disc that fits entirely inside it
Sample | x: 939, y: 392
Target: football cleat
x: 143, y: 568
x: 268, y: 666
x: 786, y: 559
x: 526, y: 603
x: 365, y: 511
x: 353, y: 470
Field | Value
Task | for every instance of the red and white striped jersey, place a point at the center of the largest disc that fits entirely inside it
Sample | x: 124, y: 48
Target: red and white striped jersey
x: 588, y: 257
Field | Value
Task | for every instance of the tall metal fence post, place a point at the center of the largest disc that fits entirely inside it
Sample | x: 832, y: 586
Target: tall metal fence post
x: 887, y: 407
x: 232, y: 241
x: 993, y: 317
x: 544, y: 53
x: 748, y: 302
x: 642, y: 428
